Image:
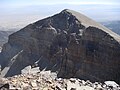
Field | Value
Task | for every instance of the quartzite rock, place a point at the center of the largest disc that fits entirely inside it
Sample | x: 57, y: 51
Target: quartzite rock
x: 69, y: 43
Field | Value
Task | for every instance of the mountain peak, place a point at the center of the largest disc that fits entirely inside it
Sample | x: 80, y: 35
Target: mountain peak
x: 88, y: 22
x: 65, y: 10
x: 68, y: 43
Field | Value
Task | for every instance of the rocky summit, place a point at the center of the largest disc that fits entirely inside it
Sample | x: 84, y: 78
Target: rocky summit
x: 68, y: 43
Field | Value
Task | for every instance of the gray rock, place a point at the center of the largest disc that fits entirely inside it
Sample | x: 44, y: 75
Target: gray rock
x: 40, y: 82
x: 29, y: 70
x: 111, y: 84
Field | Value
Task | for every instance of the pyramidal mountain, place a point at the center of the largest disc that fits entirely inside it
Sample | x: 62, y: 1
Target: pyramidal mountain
x: 68, y: 43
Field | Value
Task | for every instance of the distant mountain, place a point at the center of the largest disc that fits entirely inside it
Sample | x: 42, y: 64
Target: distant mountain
x: 4, y: 36
x: 68, y: 43
x: 113, y: 25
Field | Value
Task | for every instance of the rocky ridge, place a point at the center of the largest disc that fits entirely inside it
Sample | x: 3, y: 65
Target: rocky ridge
x: 68, y: 43
x: 47, y: 80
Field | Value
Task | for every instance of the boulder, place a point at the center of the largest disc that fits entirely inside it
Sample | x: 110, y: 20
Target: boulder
x: 111, y: 84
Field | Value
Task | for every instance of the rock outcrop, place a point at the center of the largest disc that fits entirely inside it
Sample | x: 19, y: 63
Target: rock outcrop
x: 46, y: 80
x: 68, y: 43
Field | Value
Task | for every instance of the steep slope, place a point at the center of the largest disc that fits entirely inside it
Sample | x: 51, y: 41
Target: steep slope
x: 69, y: 43
x: 4, y: 36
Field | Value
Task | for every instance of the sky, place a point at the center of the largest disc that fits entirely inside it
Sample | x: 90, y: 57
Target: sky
x: 48, y: 2
x: 19, y: 13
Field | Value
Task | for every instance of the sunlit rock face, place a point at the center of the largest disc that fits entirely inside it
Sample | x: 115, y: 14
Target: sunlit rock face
x: 69, y: 43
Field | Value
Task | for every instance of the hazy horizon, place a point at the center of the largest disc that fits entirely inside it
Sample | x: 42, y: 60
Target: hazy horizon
x: 17, y: 14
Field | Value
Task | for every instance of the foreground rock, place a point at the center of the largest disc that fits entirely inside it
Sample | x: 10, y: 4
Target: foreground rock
x: 68, y: 43
x: 47, y: 80
x: 30, y: 70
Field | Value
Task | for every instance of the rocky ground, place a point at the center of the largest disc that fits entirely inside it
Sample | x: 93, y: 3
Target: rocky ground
x: 45, y: 80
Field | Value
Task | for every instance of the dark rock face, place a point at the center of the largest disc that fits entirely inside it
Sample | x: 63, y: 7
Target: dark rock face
x: 4, y: 37
x: 69, y: 43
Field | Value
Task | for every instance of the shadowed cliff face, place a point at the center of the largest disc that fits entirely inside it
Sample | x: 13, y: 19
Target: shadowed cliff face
x: 69, y: 43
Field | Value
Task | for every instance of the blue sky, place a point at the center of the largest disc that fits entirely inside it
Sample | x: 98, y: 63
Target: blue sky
x: 18, y: 13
